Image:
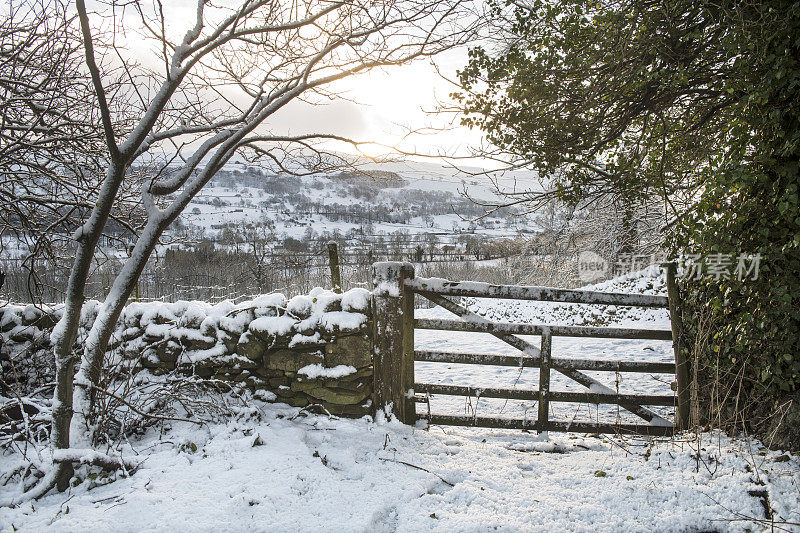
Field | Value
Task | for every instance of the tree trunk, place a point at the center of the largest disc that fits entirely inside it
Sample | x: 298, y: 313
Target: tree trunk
x: 66, y: 331
x: 107, y: 317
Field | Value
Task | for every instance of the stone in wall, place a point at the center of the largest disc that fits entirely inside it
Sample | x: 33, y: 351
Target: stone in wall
x: 26, y: 359
x: 286, y: 360
x: 353, y: 350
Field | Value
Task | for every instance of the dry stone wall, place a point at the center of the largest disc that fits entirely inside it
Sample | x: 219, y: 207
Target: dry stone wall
x: 26, y: 360
x: 311, y: 349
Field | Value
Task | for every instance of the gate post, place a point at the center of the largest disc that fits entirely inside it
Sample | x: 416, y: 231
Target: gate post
x: 393, y: 340
x: 681, y: 363
x: 336, y: 274
x: 544, y: 382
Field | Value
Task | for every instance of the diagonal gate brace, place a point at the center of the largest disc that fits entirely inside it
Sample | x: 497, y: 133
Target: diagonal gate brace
x: 532, y: 351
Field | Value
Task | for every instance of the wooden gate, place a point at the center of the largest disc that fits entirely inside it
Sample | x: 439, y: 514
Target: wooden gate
x: 394, y: 287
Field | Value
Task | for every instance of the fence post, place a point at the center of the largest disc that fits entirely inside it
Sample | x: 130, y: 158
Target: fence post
x: 336, y: 275
x: 544, y: 382
x: 393, y: 340
x: 681, y: 363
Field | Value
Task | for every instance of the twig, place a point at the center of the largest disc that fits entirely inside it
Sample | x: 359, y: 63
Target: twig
x: 61, y: 509
x: 744, y: 518
x: 134, y: 409
x: 418, y: 468
x: 621, y: 447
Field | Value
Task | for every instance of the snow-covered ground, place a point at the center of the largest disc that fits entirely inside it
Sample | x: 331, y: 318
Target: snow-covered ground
x: 318, y: 474
x: 274, y: 468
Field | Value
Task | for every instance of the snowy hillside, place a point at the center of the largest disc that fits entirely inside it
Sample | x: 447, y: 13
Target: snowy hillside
x: 413, y: 198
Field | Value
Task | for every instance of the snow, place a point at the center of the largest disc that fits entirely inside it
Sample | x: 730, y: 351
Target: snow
x: 278, y: 468
x: 387, y: 288
x: 355, y: 300
x: 89, y: 456
x: 159, y: 330
x: 193, y: 315
x: 299, y: 339
x: 342, y: 320
x: 237, y: 322
x: 319, y: 306
x: 273, y: 325
x: 9, y: 318
x: 195, y: 356
x: 318, y: 371
x: 300, y: 305
x: 313, y: 473
x: 265, y: 395
x: 267, y: 303
x: 30, y: 313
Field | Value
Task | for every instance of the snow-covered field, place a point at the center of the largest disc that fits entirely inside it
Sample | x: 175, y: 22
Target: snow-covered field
x: 274, y: 468
x: 291, y: 212
x: 317, y: 474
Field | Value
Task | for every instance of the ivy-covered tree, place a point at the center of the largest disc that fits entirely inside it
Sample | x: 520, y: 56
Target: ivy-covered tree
x: 695, y: 103
x: 630, y: 97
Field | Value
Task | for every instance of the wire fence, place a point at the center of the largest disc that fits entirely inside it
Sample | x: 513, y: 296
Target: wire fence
x: 236, y: 277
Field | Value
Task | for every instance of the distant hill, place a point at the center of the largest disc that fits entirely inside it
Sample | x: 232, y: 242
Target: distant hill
x: 411, y: 198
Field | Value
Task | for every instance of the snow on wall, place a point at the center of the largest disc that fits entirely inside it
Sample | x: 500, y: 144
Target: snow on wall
x: 268, y: 344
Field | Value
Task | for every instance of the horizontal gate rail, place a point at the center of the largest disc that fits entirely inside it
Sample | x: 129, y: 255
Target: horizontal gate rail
x: 394, y: 289
x: 599, y: 365
x: 551, y: 425
x: 553, y: 396
x: 536, y: 329
x: 531, y: 351
x: 544, y: 294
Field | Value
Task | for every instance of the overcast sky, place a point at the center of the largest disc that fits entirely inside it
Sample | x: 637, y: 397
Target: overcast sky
x: 387, y: 104
x: 381, y: 106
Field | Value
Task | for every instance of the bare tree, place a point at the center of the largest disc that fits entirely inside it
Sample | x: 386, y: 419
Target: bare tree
x: 215, y: 88
x: 258, y: 250
x: 50, y: 147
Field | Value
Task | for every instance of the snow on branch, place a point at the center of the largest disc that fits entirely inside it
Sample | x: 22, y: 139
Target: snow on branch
x: 93, y: 457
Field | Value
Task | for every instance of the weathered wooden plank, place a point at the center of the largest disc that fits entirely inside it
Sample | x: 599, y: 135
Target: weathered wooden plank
x: 407, y: 378
x: 599, y: 365
x: 552, y: 425
x: 393, y: 340
x: 617, y: 399
x: 533, y: 395
x: 511, y: 328
x: 532, y: 351
x: 519, y: 361
x: 476, y: 392
x: 681, y: 363
x: 655, y: 367
x: 546, y: 294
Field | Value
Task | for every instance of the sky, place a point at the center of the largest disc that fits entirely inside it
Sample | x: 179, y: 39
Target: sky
x: 381, y: 106
x: 385, y: 105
